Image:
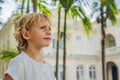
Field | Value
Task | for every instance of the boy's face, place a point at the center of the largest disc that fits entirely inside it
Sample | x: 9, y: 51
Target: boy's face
x: 40, y: 34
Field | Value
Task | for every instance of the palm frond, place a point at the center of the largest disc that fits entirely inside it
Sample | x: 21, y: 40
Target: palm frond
x: 7, y: 55
x: 59, y: 7
x: 85, y: 21
x: 77, y: 12
x: 87, y: 25
x: 112, y: 12
x: 46, y: 11
x: 1, y: 1
x: 43, y: 9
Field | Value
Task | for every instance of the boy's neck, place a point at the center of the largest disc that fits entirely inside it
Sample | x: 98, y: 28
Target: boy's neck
x: 34, y: 54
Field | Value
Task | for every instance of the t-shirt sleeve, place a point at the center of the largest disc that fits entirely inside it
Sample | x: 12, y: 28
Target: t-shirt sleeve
x: 14, y: 70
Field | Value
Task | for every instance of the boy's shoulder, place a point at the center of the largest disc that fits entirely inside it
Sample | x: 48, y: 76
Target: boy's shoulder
x: 19, y: 58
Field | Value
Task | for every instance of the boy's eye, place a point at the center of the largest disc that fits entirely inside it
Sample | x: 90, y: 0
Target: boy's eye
x: 42, y: 27
x: 45, y: 28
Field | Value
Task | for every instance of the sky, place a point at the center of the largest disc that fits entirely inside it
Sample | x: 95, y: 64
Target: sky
x: 7, y: 9
x: 9, y: 6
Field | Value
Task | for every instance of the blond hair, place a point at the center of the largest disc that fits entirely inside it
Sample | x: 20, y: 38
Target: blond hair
x: 24, y: 23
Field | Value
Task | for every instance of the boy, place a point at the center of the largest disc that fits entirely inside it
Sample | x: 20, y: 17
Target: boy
x: 32, y: 32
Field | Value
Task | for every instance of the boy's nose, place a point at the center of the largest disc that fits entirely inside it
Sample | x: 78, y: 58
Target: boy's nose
x: 48, y: 32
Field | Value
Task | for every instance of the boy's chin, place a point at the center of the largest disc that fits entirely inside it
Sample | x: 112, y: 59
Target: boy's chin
x: 47, y: 45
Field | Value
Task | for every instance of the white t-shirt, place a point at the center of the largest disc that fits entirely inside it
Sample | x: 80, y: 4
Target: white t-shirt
x: 23, y: 67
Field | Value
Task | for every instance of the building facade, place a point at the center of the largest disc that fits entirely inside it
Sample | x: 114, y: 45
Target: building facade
x: 83, y: 61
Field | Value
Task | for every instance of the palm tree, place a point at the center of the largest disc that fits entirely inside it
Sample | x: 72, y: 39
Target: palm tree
x: 59, y: 36
x: 109, y: 11
x: 58, y: 40
x: 38, y: 6
x: 76, y: 12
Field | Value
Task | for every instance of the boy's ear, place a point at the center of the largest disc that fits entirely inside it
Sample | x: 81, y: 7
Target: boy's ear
x: 25, y: 35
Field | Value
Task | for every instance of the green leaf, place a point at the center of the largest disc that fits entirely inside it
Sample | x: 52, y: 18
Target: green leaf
x: 7, y: 55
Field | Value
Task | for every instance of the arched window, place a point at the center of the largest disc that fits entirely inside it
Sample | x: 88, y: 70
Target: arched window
x: 80, y: 73
x: 92, y: 73
x: 109, y: 41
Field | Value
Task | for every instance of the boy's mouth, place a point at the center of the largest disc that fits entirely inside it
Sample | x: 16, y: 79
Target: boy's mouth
x: 47, y: 38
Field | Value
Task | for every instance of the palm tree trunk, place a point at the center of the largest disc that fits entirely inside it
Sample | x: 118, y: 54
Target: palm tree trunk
x: 28, y: 6
x: 57, y: 51
x: 23, y: 2
x: 34, y: 5
x: 103, y: 25
x: 64, y: 47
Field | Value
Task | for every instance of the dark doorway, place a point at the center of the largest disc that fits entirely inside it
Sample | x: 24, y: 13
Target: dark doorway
x: 112, y: 71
